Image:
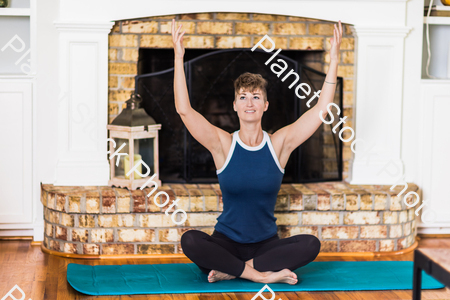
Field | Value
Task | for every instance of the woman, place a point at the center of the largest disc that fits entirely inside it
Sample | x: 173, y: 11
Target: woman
x: 250, y: 167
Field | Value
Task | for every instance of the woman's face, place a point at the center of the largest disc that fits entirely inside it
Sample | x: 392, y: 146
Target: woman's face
x: 250, y: 105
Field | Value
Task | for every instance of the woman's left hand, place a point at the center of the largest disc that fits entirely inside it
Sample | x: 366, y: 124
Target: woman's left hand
x: 336, y: 42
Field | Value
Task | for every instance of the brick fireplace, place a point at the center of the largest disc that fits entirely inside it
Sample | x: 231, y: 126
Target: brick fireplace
x: 97, y: 220
x: 234, y: 30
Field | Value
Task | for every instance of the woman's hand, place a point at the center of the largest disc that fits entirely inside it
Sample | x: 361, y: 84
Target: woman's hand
x: 336, y: 42
x: 177, y: 39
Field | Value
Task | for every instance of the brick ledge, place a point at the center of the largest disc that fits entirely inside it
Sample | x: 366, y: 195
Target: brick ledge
x: 102, y: 220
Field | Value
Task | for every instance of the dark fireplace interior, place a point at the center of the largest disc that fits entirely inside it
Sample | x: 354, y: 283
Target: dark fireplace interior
x: 210, y: 75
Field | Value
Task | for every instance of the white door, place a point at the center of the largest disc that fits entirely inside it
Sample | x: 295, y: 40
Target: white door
x: 435, y: 156
x: 15, y: 152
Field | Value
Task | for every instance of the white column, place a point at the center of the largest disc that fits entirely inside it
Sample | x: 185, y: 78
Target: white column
x: 378, y: 108
x: 83, y: 111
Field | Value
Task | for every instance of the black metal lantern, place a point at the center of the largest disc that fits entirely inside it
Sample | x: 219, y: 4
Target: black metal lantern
x: 139, y: 132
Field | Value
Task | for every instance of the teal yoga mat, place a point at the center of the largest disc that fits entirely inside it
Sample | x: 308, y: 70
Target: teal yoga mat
x: 187, y: 278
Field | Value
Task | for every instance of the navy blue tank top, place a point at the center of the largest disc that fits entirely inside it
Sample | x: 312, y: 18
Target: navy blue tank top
x: 249, y: 180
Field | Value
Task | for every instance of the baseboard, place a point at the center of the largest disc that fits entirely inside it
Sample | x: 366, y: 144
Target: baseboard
x: 7, y: 232
x: 16, y: 238
x: 433, y: 229
x: 433, y: 235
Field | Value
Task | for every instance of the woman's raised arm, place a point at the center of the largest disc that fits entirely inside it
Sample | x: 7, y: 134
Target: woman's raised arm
x: 200, y: 128
x: 182, y: 103
x: 293, y: 135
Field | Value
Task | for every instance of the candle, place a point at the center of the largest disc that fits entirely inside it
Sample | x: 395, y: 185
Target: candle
x: 137, y: 158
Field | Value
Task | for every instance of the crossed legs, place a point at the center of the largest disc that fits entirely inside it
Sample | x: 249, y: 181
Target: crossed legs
x: 269, y: 261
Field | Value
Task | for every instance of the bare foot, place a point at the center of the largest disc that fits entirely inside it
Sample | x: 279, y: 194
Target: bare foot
x: 285, y: 276
x: 218, y: 276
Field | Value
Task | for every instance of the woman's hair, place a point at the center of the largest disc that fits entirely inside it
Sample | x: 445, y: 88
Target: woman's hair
x: 250, y: 82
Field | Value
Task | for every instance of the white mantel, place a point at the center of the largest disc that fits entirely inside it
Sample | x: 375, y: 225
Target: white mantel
x: 384, y: 13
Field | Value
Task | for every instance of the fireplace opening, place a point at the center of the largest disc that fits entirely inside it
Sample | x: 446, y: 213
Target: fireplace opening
x: 210, y: 75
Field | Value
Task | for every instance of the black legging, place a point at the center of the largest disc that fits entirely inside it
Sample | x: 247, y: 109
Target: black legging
x: 218, y: 252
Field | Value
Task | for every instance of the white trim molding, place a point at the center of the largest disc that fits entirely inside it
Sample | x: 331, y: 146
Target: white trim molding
x: 100, y: 27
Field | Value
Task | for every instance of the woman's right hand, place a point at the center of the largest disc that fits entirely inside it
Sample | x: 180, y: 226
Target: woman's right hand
x: 177, y: 39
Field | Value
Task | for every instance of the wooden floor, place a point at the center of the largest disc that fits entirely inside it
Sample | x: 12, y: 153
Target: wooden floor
x: 43, y: 276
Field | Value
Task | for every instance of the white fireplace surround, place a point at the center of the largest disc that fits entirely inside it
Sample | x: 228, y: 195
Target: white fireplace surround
x: 382, y: 83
